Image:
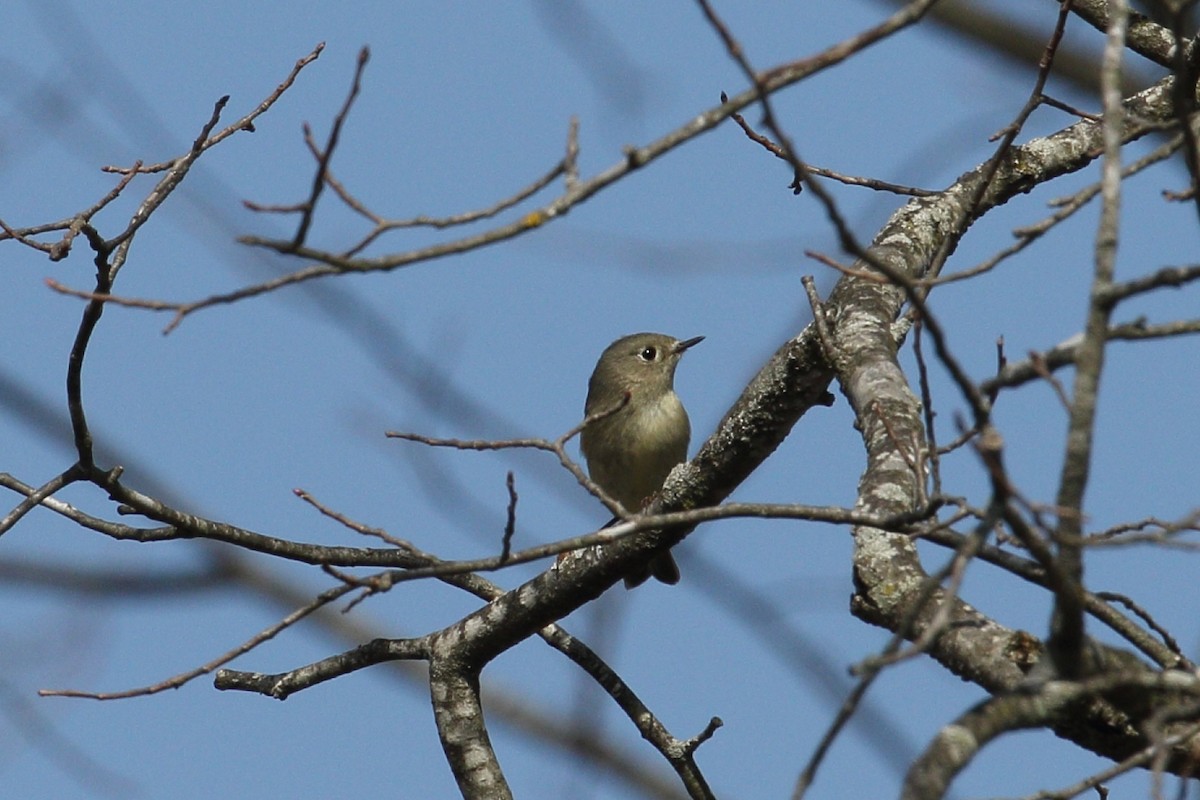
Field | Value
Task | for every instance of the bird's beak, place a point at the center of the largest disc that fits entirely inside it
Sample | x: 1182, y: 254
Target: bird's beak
x: 686, y: 343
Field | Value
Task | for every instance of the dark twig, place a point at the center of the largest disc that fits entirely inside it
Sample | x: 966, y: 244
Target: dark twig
x: 119, y: 244
x: 116, y: 300
x: 849, y: 180
x: 566, y: 166
x: 1135, y: 761
x: 510, y: 526
x: 1135, y: 532
x: 323, y: 599
x: 1039, y: 366
x: 331, y: 143
x: 1053, y: 102
x: 931, y: 447
x: 1001, y: 363
x: 246, y: 123
x: 1144, y: 615
x: 1172, y: 277
x: 60, y: 249
x: 358, y: 527
x: 861, y: 274
x: 1064, y: 354
x: 557, y: 446
x: 819, y: 320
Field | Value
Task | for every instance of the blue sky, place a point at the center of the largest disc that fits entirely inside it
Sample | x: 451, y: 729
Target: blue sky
x: 463, y: 104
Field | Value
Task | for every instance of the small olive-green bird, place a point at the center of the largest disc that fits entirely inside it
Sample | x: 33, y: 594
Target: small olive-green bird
x: 631, y: 451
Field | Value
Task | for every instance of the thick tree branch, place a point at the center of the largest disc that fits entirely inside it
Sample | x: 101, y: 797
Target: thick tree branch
x: 458, y: 712
x: 959, y: 742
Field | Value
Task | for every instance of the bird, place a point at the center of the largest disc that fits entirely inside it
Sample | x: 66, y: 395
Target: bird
x: 630, y: 451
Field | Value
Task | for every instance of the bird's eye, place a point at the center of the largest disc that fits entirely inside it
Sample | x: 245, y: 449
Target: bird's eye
x: 649, y: 354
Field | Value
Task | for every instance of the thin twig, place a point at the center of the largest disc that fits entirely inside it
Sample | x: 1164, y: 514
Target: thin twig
x: 1039, y: 366
x: 268, y: 633
x: 931, y: 446
x: 1144, y: 616
x: 331, y: 144
x: 510, y: 525
x: 246, y: 123
x: 849, y: 180
x: 38, y: 496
